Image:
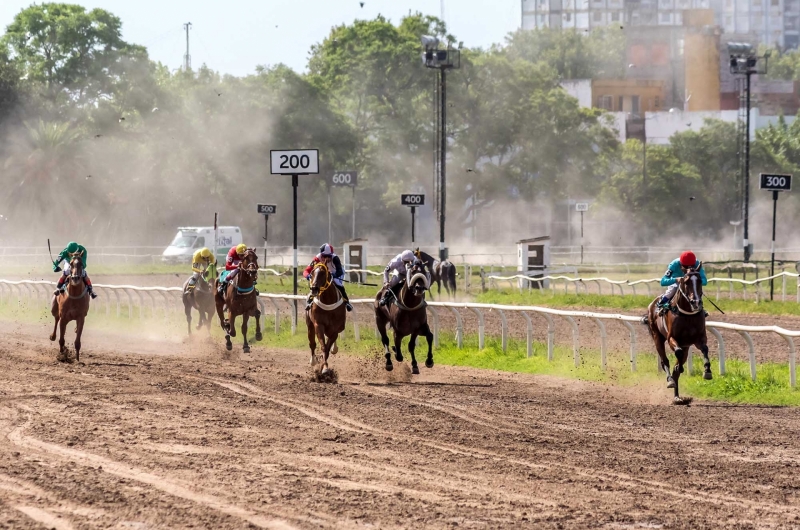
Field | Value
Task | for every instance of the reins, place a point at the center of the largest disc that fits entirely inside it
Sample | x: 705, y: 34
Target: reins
x: 328, y: 281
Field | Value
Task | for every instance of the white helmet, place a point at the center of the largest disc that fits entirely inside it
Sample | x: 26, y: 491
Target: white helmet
x: 407, y: 255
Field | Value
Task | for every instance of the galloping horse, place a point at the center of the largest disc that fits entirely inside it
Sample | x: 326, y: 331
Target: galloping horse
x: 72, y: 304
x: 444, y: 271
x: 407, y: 316
x: 241, y: 298
x: 682, y: 327
x: 200, y: 298
x: 327, y: 316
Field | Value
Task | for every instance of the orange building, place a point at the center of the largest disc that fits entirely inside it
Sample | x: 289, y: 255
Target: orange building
x: 635, y: 96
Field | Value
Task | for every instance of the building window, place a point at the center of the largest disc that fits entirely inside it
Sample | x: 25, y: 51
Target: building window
x: 665, y: 18
x: 775, y: 3
x: 678, y: 19
x: 635, y: 104
x: 656, y: 102
x: 597, y: 16
x: 619, y: 104
x: 568, y: 17
x: 615, y: 16
x: 729, y: 3
x: 605, y: 102
x: 729, y: 23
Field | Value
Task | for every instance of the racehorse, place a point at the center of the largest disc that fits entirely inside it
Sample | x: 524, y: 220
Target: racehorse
x: 72, y: 304
x: 683, y: 326
x: 241, y: 298
x: 444, y: 271
x: 327, y: 316
x: 407, y: 316
x: 200, y: 298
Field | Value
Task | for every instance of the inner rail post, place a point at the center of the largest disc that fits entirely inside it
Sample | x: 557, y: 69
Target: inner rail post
x: 721, y: 349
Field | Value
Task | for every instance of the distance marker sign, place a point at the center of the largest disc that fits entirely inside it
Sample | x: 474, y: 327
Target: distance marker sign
x: 412, y: 199
x: 775, y: 182
x: 267, y: 209
x: 343, y: 178
x: 294, y: 162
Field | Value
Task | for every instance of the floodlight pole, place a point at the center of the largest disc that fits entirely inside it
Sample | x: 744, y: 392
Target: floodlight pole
x: 746, y: 212
x: 443, y: 180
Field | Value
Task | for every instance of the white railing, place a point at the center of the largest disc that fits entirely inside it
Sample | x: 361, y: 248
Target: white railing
x: 581, y: 283
x: 171, y: 298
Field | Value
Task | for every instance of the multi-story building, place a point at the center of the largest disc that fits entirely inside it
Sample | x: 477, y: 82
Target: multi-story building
x: 770, y: 22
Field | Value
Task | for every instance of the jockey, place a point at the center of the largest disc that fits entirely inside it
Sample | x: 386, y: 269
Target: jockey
x: 73, y: 249
x: 331, y: 260
x: 395, y: 273
x: 676, y: 269
x: 232, y: 261
x: 202, y: 261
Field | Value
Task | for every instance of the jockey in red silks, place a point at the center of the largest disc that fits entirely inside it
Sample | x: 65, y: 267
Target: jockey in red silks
x: 331, y: 260
x: 232, y: 261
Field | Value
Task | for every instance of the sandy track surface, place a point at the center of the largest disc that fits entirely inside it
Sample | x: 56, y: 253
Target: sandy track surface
x: 157, y: 434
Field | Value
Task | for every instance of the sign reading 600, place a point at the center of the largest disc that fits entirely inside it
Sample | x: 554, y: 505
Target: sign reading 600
x: 343, y: 178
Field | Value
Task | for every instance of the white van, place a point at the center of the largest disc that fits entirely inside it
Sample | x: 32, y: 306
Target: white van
x: 190, y: 238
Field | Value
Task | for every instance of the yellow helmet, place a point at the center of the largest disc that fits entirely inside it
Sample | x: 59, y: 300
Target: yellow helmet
x: 241, y: 248
x: 205, y: 253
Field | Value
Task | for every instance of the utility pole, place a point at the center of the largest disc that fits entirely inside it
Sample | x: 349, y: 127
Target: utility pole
x: 187, y: 59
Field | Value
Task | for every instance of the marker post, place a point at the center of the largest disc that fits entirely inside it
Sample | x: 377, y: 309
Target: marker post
x: 582, y: 207
x: 413, y: 200
x: 775, y: 184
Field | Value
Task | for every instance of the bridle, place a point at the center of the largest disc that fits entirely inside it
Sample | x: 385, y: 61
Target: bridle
x: 318, y: 269
x: 697, y: 301
x: 250, y: 271
x: 411, y: 280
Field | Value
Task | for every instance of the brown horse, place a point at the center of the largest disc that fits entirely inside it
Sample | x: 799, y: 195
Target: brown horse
x: 241, y: 298
x: 327, y: 316
x: 444, y: 271
x: 72, y: 304
x: 407, y: 316
x: 682, y: 327
x: 200, y: 298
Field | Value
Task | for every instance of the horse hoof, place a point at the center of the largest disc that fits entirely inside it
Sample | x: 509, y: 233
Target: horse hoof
x: 681, y: 400
x: 53, y: 337
x: 429, y: 363
x: 415, y: 370
x: 398, y: 356
x: 259, y: 336
x: 389, y: 367
x: 670, y: 382
x: 228, y: 343
x: 246, y: 349
x: 707, y: 376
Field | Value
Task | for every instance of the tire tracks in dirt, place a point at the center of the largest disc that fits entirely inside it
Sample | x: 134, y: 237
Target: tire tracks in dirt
x: 620, y: 479
x: 16, y: 435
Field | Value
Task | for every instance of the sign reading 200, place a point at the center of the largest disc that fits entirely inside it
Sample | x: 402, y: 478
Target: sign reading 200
x: 294, y: 162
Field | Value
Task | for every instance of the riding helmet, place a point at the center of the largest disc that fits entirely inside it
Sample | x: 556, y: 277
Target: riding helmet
x: 326, y: 250
x: 688, y: 259
x: 241, y: 248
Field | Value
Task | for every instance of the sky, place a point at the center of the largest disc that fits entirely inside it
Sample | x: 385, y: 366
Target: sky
x: 234, y: 37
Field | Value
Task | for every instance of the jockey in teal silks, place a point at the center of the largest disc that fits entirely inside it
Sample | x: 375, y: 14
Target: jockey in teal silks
x: 677, y: 269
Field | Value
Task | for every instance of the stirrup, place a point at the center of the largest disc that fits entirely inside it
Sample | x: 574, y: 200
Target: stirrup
x: 348, y: 306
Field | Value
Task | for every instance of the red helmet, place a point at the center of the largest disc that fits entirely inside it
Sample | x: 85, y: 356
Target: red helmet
x: 688, y: 259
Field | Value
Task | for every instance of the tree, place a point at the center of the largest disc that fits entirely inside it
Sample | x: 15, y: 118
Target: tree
x: 75, y: 55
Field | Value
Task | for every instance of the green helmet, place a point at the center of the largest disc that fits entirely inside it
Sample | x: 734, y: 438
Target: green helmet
x: 72, y: 247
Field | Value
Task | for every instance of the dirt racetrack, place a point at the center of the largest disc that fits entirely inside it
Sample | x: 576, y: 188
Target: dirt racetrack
x: 153, y: 433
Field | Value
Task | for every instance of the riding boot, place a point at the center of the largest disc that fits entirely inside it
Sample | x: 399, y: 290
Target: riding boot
x: 386, y: 297
x: 344, y: 295
x: 62, y: 281
x: 309, y: 301
x: 89, y: 287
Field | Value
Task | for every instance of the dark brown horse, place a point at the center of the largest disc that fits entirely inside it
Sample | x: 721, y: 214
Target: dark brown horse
x: 241, y: 298
x: 201, y: 299
x: 444, y: 272
x: 327, y: 316
x: 682, y: 327
x: 72, y: 304
x: 407, y: 316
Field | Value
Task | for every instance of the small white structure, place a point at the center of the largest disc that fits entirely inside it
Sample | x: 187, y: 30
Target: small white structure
x: 355, y: 257
x: 533, y: 259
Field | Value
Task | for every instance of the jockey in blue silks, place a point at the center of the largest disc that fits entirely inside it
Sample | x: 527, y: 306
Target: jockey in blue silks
x: 677, y: 269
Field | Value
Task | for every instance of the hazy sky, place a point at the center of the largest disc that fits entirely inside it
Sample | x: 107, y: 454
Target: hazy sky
x: 234, y: 36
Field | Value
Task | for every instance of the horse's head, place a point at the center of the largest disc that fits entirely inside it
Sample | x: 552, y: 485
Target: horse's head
x: 416, y: 278
x: 75, y: 270
x: 691, y: 288
x: 249, y: 264
x: 320, y: 279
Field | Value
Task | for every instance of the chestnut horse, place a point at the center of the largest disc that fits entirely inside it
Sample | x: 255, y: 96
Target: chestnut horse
x: 682, y: 327
x: 72, y: 304
x: 407, y: 316
x: 200, y: 298
x: 327, y: 316
x: 241, y: 298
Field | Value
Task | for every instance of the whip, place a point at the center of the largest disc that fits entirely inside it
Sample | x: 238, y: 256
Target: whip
x: 712, y: 303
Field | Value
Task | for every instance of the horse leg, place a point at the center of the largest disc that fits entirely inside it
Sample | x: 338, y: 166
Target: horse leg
x: 411, y: 345
x: 257, y: 316
x: 426, y: 330
x: 230, y: 331
x: 312, y: 334
x: 187, y: 309
x: 326, y: 351
x: 55, y: 326
x: 398, y: 340
x: 703, y: 347
x: 662, y: 356
x: 220, y: 304
x: 680, y: 359
x: 245, y: 318
x: 78, y: 333
x: 381, y: 323
x: 62, y: 350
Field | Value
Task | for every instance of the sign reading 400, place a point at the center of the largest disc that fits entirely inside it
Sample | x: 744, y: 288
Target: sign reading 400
x: 294, y: 162
x: 412, y: 199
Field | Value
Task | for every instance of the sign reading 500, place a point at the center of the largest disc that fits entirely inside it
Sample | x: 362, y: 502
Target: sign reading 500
x: 294, y: 162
